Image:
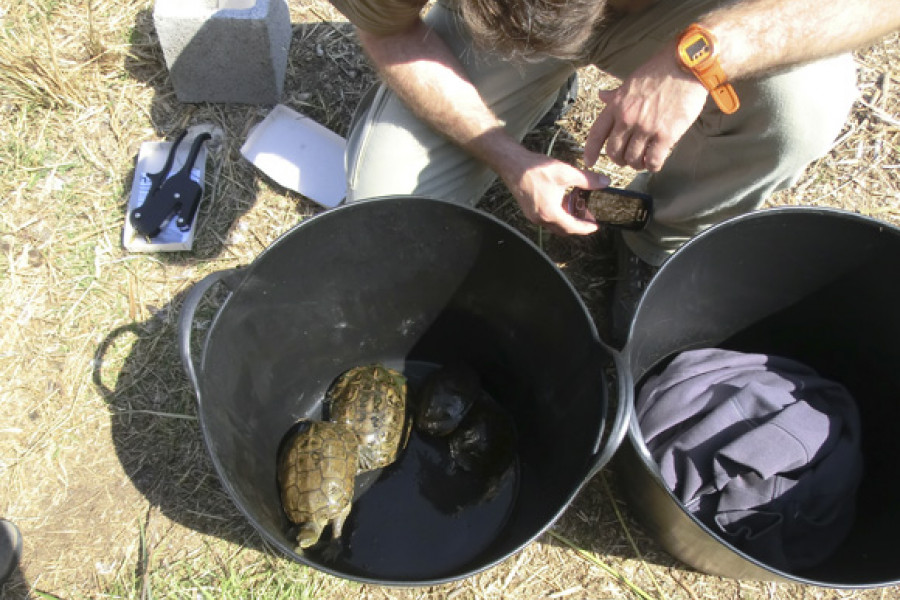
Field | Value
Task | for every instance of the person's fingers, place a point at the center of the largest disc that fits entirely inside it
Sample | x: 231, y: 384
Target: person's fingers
x: 596, y: 137
x: 657, y: 152
x: 634, y: 155
x: 565, y: 224
x: 617, y: 143
x: 557, y: 219
x: 590, y: 180
x: 655, y: 155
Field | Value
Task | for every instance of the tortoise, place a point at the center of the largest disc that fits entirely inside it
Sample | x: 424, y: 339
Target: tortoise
x: 371, y: 401
x: 485, y: 441
x: 316, y: 471
x: 483, y: 449
x: 447, y: 395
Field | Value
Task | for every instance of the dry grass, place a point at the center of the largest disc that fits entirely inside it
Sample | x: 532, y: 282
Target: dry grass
x: 101, y: 461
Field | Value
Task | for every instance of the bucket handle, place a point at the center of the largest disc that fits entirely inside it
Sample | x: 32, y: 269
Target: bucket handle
x: 624, y: 412
x: 186, y: 319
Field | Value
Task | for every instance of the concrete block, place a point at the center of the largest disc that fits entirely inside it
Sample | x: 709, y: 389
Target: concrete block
x: 225, y: 50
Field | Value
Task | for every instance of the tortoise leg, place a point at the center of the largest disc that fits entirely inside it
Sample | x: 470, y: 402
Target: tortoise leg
x: 309, y: 534
x: 333, y: 550
x: 337, y: 524
x: 407, y: 432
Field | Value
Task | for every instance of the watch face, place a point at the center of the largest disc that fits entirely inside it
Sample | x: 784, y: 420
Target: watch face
x: 696, y: 49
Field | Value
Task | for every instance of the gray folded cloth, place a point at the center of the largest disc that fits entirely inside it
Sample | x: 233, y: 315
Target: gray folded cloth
x: 759, y: 448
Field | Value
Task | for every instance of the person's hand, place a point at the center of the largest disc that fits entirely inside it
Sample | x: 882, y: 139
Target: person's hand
x: 646, y: 116
x: 539, y: 185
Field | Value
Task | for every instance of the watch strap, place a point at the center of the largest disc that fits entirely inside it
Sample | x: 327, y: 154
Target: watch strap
x: 725, y: 98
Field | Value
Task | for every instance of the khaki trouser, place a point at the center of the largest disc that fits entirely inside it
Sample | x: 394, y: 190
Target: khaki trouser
x: 724, y: 165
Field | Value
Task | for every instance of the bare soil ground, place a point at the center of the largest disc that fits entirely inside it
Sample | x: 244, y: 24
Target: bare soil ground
x: 102, y: 464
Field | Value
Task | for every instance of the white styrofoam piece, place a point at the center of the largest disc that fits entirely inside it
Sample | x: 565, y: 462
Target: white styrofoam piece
x: 299, y: 154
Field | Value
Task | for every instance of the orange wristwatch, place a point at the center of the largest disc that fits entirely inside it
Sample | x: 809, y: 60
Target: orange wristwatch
x: 697, y: 54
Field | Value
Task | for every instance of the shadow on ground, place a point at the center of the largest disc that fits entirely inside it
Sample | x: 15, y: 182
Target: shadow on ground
x: 16, y: 587
x: 156, y: 432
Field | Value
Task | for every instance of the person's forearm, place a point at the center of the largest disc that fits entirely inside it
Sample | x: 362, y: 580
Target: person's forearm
x: 419, y: 67
x: 760, y: 36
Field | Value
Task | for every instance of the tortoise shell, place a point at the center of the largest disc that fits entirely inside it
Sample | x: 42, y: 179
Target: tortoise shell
x: 316, y: 471
x: 371, y: 401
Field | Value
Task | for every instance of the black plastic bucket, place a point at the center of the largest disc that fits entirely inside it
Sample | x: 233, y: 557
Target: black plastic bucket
x: 413, y: 283
x: 819, y: 286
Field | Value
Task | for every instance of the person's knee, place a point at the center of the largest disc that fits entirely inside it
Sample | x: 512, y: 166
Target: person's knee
x: 806, y: 108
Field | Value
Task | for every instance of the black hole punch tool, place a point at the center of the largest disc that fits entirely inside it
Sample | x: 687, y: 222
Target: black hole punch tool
x: 177, y: 196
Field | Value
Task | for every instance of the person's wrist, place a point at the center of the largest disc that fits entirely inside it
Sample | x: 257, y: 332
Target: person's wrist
x: 510, y: 161
x: 665, y: 65
x: 670, y: 67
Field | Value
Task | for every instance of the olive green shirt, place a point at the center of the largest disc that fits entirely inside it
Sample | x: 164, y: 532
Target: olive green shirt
x: 381, y: 17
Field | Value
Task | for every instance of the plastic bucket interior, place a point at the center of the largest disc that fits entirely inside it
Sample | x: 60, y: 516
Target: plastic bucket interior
x: 413, y: 283
x: 816, y: 285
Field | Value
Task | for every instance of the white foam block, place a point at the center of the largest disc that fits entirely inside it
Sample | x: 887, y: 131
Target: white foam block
x: 299, y: 154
